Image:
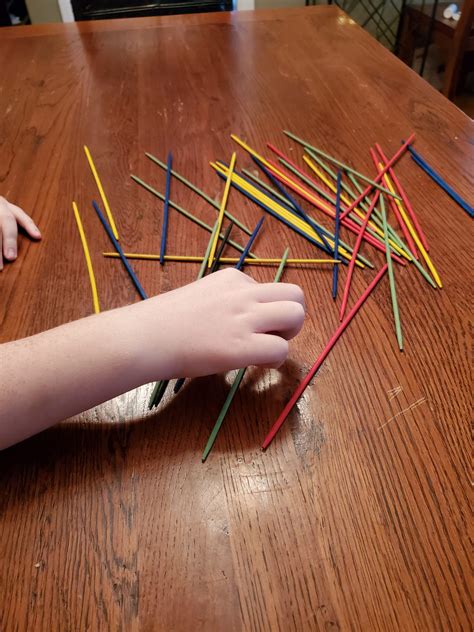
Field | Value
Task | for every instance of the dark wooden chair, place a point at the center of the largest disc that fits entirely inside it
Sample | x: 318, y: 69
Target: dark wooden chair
x: 4, y: 14
x: 455, y: 39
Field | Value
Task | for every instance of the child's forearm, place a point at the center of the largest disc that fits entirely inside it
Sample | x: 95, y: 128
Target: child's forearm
x: 224, y: 321
x: 59, y: 373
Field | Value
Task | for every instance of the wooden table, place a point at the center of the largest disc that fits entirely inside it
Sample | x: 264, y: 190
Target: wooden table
x: 357, y: 516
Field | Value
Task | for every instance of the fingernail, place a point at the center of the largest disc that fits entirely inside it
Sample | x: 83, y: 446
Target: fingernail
x: 11, y: 254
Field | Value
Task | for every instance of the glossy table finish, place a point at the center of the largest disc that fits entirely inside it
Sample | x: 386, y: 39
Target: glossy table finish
x: 356, y: 518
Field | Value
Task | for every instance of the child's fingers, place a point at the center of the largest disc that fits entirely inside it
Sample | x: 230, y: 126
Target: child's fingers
x: 25, y: 221
x: 284, y: 318
x: 268, y: 351
x: 1, y: 257
x: 269, y: 292
x: 9, y: 231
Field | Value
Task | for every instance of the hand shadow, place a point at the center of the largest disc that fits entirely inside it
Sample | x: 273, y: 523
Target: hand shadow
x: 105, y: 446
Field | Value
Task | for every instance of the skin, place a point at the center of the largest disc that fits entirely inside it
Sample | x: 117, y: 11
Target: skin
x: 11, y: 217
x: 224, y: 321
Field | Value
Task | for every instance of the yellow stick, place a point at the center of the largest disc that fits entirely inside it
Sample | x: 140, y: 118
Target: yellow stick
x: 346, y: 201
x: 281, y: 174
x: 327, y: 182
x: 102, y: 192
x: 262, y: 197
x: 317, y: 201
x: 222, y: 209
x: 197, y: 259
x: 85, y: 247
x: 279, y: 210
x: 414, y: 234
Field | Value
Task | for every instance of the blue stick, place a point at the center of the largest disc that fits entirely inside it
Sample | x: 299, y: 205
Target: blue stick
x: 164, y: 230
x: 178, y: 384
x: 421, y: 162
x: 291, y: 199
x: 335, y: 271
x: 240, y: 262
x: 118, y: 248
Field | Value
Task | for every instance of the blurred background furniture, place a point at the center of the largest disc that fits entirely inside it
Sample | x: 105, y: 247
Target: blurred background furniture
x: 13, y: 12
x: 381, y: 18
x: 424, y: 25
x: 104, y: 9
x: 440, y: 50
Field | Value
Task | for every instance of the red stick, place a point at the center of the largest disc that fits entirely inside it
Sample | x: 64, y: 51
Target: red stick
x: 335, y: 337
x: 405, y: 199
x: 377, y: 179
x: 406, y: 234
x: 280, y: 154
x: 307, y: 194
x: 322, y: 205
x: 355, y: 251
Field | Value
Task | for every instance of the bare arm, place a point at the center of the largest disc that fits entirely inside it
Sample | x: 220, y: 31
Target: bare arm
x: 221, y: 322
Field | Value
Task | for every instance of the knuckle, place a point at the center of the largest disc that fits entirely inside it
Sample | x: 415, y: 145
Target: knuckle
x: 231, y: 274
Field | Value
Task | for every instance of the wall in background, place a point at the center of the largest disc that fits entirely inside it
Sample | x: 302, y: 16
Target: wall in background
x: 42, y: 11
x: 278, y: 4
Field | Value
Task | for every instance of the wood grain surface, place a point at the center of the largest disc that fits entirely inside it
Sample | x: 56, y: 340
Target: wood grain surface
x: 357, y: 517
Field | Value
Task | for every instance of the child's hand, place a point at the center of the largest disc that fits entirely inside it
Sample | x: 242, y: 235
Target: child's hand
x: 224, y: 321
x: 10, y: 216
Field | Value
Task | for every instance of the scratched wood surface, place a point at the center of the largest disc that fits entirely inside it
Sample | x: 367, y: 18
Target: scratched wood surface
x: 357, y: 516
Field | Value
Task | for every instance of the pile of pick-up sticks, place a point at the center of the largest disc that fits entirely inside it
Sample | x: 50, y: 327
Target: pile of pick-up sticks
x: 351, y: 199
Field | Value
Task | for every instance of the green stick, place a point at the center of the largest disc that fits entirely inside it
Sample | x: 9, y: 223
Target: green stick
x: 205, y: 261
x: 212, y: 437
x: 267, y: 187
x: 423, y: 272
x: 187, y: 214
x: 199, y: 192
x: 333, y: 175
x: 156, y: 395
x: 237, y: 380
x: 330, y: 199
x: 377, y: 216
x: 391, y: 277
x: 363, y: 205
x: 340, y: 164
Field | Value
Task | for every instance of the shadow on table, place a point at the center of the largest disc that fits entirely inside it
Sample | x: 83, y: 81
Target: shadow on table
x: 76, y: 451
